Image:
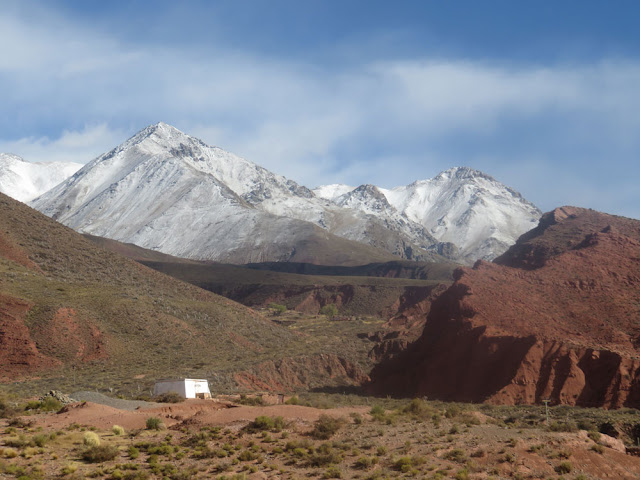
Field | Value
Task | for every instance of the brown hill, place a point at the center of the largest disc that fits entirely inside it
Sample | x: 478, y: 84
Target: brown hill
x: 378, y: 289
x: 561, y: 322
x: 73, y: 315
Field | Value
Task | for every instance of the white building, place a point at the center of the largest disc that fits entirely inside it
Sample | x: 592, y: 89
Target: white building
x: 185, y: 387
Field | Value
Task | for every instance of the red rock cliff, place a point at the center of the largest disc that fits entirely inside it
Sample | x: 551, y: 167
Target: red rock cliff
x: 559, y: 318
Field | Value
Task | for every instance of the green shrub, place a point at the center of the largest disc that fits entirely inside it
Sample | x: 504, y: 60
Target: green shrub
x: 598, y: 448
x: 154, y: 423
x: 100, y: 453
x: 264, y: 423
x: 133, y: 452
x: 277, y: 308
x: 326, y: 426
x: 330, y: 310
x: 363, y: 463
x: 378, y: 413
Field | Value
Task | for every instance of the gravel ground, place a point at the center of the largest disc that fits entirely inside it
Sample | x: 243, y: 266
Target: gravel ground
x: 118, y: 403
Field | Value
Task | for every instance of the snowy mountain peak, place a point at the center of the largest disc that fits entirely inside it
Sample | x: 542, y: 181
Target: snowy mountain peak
x: 367, y: 198
x: 25, y: 180
x: 163, y: 188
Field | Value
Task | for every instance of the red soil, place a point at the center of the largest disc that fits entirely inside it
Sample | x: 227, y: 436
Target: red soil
x: 199, y: 412
x: 300, y: 373
x: 18, y: 352
x: 563, y: 325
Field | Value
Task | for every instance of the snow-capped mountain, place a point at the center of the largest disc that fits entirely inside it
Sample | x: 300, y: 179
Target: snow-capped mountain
x: 167, y: 191
x: 460, y: 206
x: 24, y: 180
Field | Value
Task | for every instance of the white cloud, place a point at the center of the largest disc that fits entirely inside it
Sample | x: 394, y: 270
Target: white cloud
x: 71, y: 146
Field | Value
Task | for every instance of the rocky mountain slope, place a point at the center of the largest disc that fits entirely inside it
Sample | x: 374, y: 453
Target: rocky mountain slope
x: 557, y: 317
x: 467, y: 211
x: 169, y: 192
x: 75, y: 315
x: 165, y: 190
x: 25, y: 181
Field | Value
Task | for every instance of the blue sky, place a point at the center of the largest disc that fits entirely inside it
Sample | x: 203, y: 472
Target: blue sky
x: 544, y: 96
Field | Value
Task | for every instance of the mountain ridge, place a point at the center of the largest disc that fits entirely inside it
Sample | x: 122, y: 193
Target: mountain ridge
x: 161, y: 176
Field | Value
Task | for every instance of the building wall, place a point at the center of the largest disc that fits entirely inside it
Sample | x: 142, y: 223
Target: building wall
x: 166, y: 387
x: 187, y: 388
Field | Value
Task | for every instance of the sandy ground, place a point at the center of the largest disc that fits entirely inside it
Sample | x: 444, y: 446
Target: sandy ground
x: 200, y: 412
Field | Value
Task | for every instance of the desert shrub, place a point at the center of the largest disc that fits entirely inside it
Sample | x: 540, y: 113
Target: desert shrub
x: 169, y: 397
x: 563, y: 427
x: 117, y: 430
x: 598, y: 448
x: 564, y: 467
x: 453, y: 411
x: 17, y: 442
x: 277, y: 308
x: 99, y: 454
x: 154, y: 423
x: 456, y: 455
x: 91, y: 439
x: 326, y: 426
x: 326, y: 455
x: 378, y: 413
x: 40, y: 440
x: 462, y: 475
x: 69, y: 469
x: 363, y: 463
x: 7, y: 410
x: 332, y: 472
x: 330, y: 310
x: 49, y: 404
x: 417, y: 408
x: 264, y: 423
x: 403, y: 464
x: 585, y: 425
x: 133, y: 452
x: 292, y: 401
x: 247, y: 456
x: 251, y: 401
x: 595, y: 436
x: 9, y: 452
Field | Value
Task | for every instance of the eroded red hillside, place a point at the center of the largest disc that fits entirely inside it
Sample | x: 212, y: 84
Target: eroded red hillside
x: 562, y: 322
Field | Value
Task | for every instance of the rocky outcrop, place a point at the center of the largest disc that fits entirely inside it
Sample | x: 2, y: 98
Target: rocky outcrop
x: 561, y: 322
x: 19, y: 354
x: 301, y: 373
